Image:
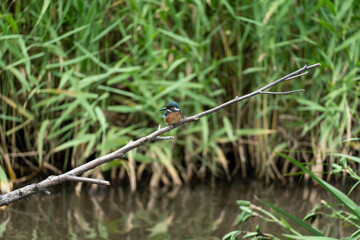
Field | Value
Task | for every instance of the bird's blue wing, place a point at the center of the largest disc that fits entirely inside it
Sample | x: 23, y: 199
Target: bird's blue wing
x: 166, y: 112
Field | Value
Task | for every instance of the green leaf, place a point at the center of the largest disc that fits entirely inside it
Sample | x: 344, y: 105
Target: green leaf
x: 20, y: 77
x: 174, y: 65
x: 18, y: 127
x: 331, y: 7
x: 25, y: 55
x: 275, y: 5
x: 352, y: 158
x: 65, y: 35
x: 340, y: 196
x: 114, y: 163
x: 179, y: 38
x: 311, y: 216
x: 233, y: 14
x: 349, y: 40
x: 326, y: 25
x: 356, y: 235
x: 101, y: 117
x: 4, y: 180
x: 86, y: 105
x: 107, y: 30
x: 345, y: 6
x: 45, y: 6
x: 246, y: 209
x: 205, y: 101
x: 120, y: 92
x: 310, y: 105
x: 229, y: 129
x: 205, y: 132
x: 243, y: 217
x: 351, y: 139
x: 254, y: 131
x: 254, y: 70
x: 308, y: 237
x: 41, y: 140
x: 10, y: 118
x: 65, y: 114
x: 3, y: 226
x: 243, y: 203
x: 232, y: 235
x: 251, y: 234
x: 103, y: 76
x: 295, y: 219
x: 125, y: 109
x: 175, y: 86
x: 75, y: 142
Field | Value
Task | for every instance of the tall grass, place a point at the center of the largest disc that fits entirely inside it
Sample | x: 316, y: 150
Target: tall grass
x: 82, y: 78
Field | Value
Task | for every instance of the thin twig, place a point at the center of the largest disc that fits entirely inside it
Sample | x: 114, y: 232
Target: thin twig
x: 284, y: 93
x: 296, y: 76
x: 86, y: 180
x: 42, y: 186
x: 164, y: 138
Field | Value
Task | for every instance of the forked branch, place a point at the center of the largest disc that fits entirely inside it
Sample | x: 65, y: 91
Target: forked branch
x: 73, y: 175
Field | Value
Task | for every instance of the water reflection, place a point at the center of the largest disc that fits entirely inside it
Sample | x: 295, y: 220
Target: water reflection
x: 190, y: 212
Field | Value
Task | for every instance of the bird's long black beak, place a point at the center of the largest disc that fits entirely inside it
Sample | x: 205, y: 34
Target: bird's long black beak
x: 164, y: 108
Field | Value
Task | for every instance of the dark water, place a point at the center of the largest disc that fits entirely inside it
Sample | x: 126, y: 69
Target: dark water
x: 190, y: 212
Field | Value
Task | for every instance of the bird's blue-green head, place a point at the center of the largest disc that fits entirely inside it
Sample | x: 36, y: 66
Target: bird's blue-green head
x: 170, y: 107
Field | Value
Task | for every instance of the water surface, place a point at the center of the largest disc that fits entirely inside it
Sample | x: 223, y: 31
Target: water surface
x: 190, y: 212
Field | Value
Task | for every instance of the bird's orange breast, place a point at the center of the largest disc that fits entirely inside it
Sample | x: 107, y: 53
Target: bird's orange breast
x: 173, y: 117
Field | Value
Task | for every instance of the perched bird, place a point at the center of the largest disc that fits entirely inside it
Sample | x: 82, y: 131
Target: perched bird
x: 172, y: 113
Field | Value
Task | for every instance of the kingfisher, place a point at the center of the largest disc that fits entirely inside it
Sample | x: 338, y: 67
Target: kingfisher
x: 172, y: 113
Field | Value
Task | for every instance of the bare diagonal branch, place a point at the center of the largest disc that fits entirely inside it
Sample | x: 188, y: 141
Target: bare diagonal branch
x: 42, y: 186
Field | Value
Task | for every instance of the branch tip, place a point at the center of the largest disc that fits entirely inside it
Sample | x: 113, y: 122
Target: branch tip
x: 313, y: 66
x: 47, y: 192
x: 164, y: 138
x: 73, y: 178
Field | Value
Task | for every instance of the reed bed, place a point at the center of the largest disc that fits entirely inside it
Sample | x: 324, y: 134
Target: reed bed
x: 82, y: 78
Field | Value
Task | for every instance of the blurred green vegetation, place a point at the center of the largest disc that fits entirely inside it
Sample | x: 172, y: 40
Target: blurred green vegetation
x: 80, y: 79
